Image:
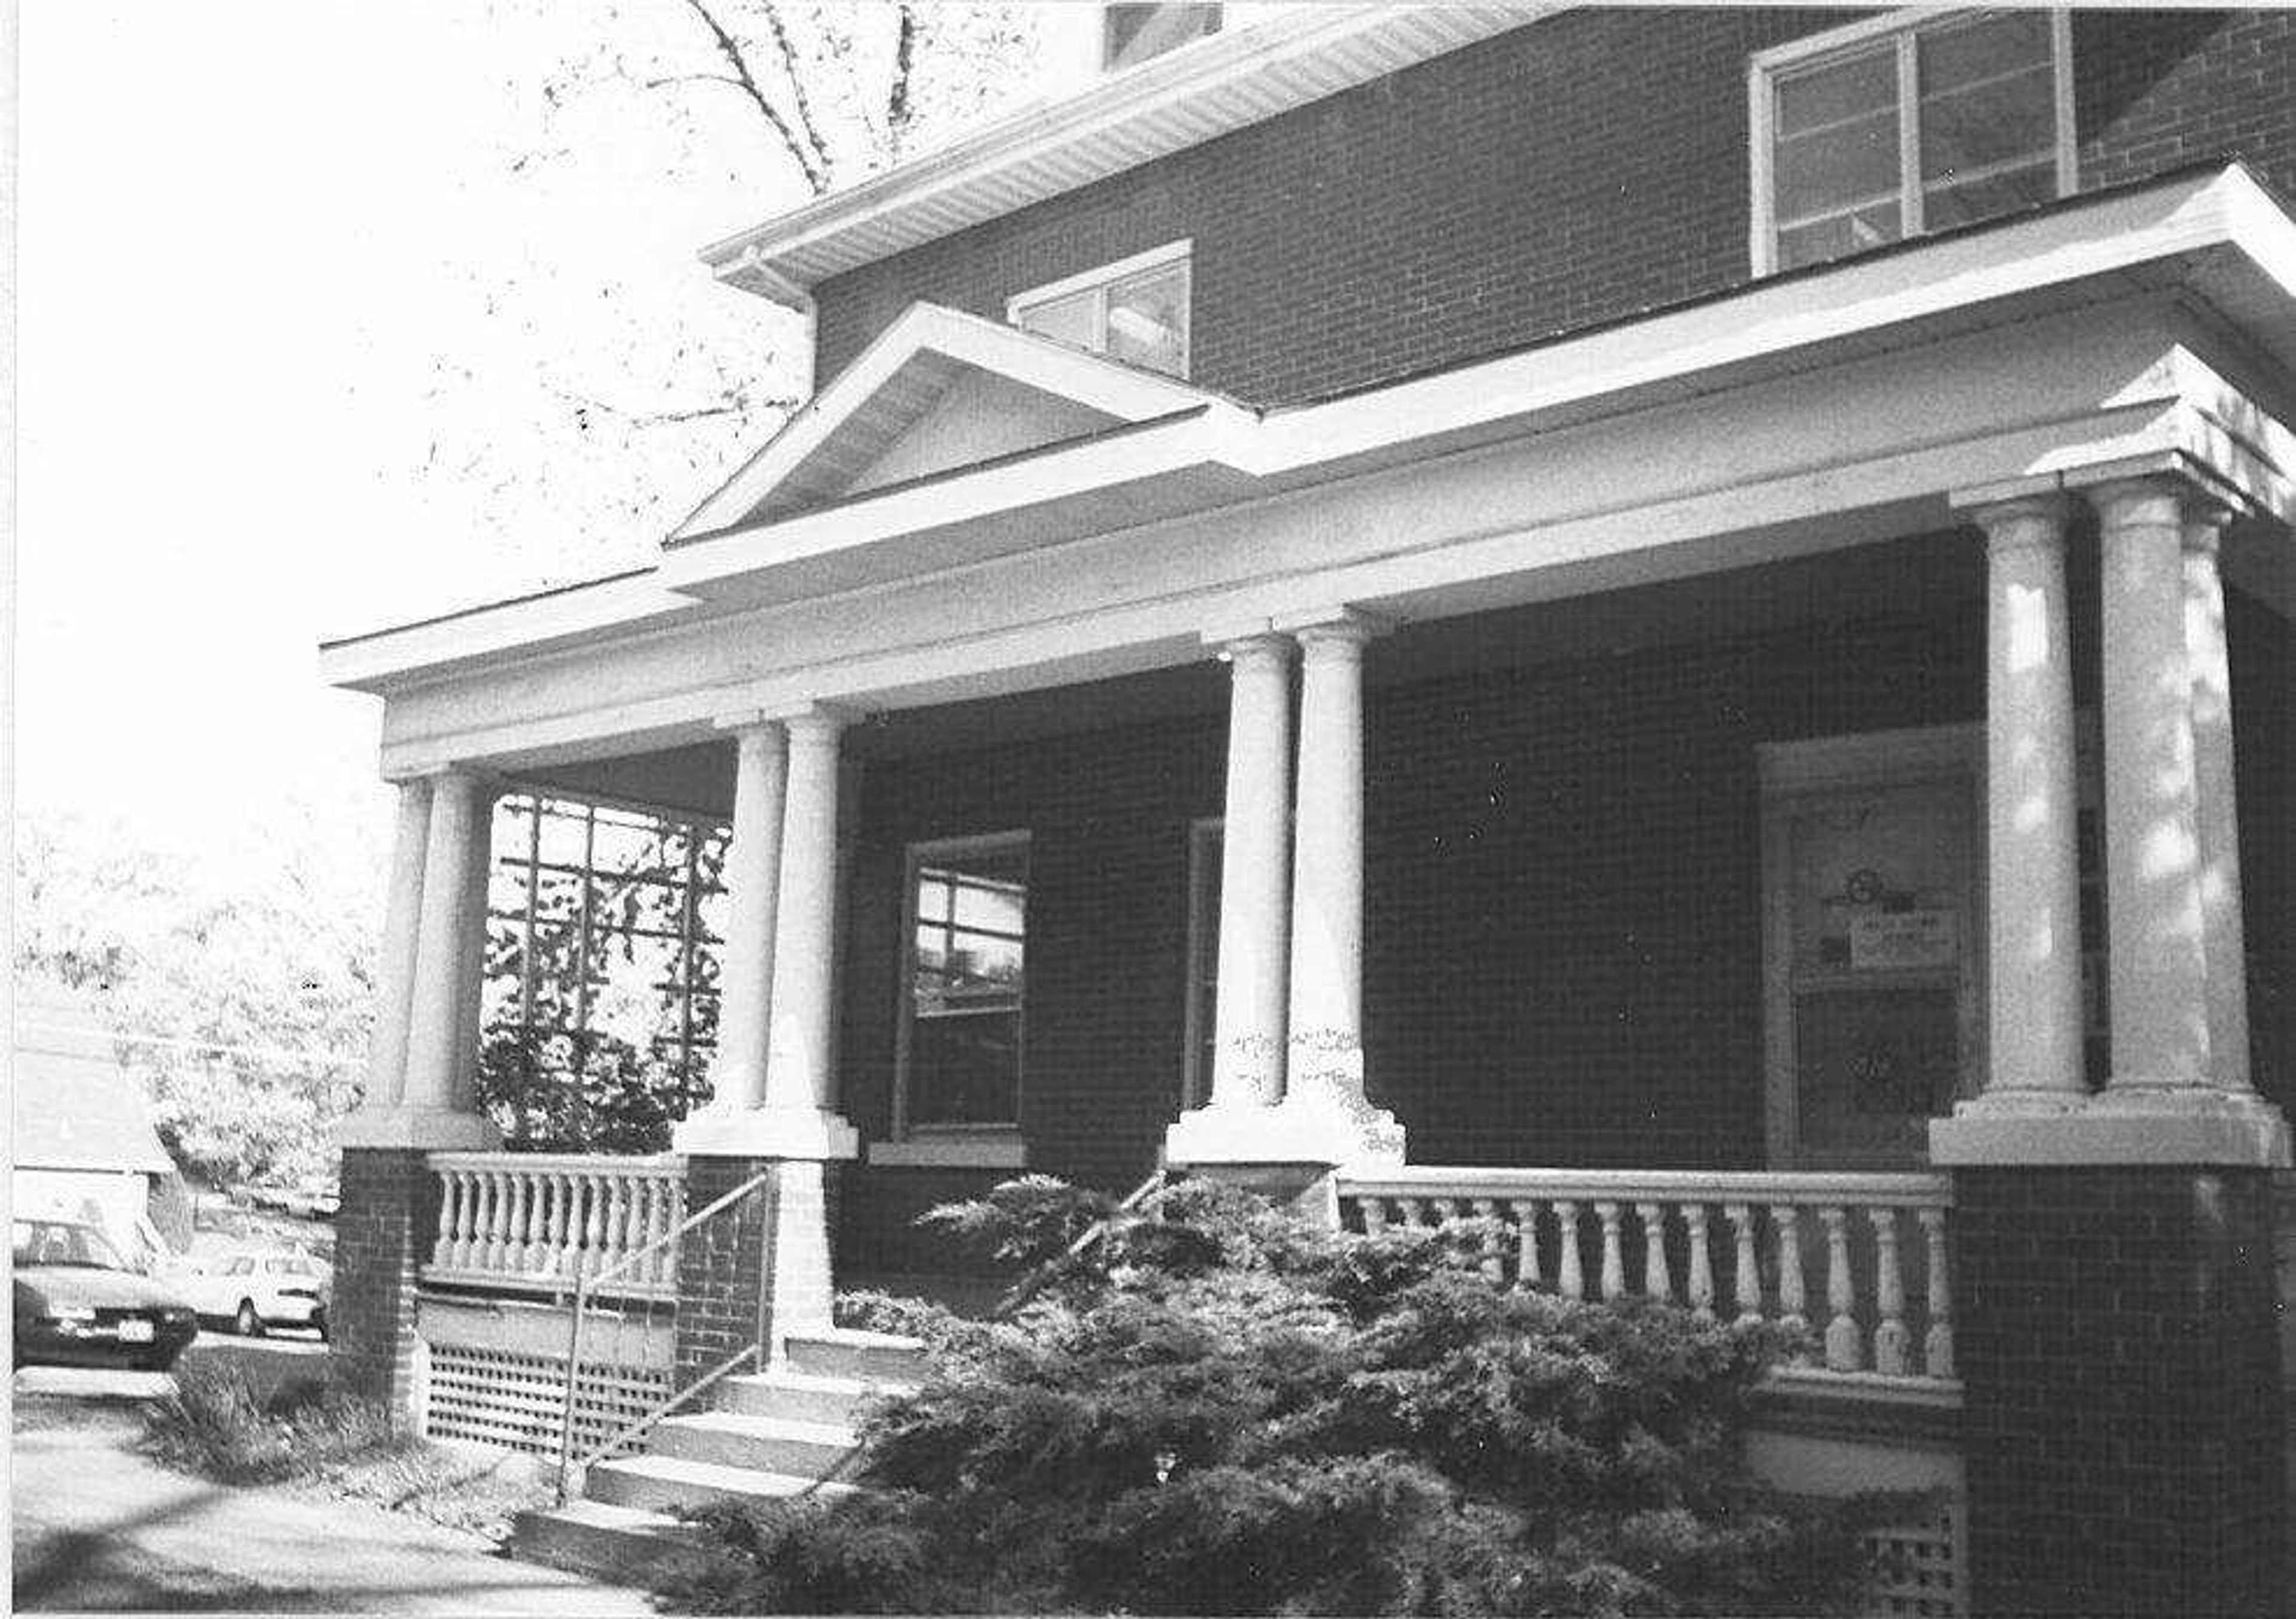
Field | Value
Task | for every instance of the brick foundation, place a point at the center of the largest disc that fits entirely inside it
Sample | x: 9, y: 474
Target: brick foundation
x: 2119, y: 1348
x: 721, y: 1267
x: 389, y: 1222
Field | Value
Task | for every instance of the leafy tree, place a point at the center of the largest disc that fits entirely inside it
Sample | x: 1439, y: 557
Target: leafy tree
x: 239, y: 979
x: 1222, y: 1409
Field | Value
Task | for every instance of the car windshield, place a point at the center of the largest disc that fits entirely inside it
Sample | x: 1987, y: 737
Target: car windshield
x: 59, y: 1242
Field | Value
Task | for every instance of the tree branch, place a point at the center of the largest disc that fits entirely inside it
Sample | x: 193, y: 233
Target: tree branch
x: 807, y: 122
x: 898, y: 110
x: 815, y: 177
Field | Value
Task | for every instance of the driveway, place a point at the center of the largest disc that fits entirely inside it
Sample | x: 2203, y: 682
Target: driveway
x: 99, y: 1527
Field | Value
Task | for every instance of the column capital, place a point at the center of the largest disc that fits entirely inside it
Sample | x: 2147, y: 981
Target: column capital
x: 816, y: 722
x: 748, y: 722
x: 1333, y: 625
x: 2019, y: 521
x: 1260, y: 652
x: 2188, y: 501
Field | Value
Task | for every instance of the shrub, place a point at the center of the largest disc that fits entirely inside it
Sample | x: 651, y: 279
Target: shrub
x: 216, y: 1424
x: 1222, y: 1408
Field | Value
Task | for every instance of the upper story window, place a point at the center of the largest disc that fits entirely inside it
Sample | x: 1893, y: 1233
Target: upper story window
x: 1130, y: 33
x: 1135, y: 310
x: 1915, y: 122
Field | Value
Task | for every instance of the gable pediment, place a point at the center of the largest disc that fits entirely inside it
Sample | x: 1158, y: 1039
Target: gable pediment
x: 939, y: 392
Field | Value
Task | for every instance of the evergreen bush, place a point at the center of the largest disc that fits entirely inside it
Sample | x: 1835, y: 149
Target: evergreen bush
x: 1224, y: 1409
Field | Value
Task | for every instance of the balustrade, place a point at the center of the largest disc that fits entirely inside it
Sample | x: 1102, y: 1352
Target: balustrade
x: 1873, y: 1247
x: 538, y: 1222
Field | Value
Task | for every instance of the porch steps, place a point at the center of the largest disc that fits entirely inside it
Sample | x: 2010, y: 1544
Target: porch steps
x: 769, y: 1436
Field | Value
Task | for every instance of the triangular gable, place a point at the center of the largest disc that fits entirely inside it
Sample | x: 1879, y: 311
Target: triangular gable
x: 937, y: 391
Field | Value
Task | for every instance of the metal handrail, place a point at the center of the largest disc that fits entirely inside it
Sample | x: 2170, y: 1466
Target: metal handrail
x: 586, y: 1286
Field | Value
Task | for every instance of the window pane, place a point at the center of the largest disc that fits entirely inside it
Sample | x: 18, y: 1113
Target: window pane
x: 1074, y: 319
x: 1856, y: 88
x: 2000, y: 194
x: 1965, y: 52
x: 2005, y: 120
x: 1849, y: 232
x: 1853, y: 163
x: 989, y: 905
x: 565, y: 834
x: 965, y: 1070
x: 1148, y: 320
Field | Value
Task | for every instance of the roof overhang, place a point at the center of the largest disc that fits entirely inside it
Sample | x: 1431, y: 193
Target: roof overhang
x: 1187, y: 97
x: 2214, y: 241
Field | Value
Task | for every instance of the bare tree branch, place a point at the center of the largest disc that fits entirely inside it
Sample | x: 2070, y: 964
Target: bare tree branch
x: 735, y: 404
x: 897, y: 108
x: 817, y: 179
x: 807, y: 122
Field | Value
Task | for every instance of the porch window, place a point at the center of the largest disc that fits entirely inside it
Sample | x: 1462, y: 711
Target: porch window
x: 1135, y: 310
x: 601, y: 968
x: 960, y: 1057
x: 1915, y: 122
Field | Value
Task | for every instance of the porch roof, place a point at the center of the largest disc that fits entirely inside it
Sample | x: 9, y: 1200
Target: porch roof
x: 2217, y: 236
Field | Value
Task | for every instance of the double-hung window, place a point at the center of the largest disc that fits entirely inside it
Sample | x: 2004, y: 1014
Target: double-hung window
x: 968, y: 954
x: 1914, y: 122
x: 1135, y: 310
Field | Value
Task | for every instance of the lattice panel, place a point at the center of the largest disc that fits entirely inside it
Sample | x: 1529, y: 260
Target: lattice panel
x: 516, y: 1400
x: 1923, y: 1568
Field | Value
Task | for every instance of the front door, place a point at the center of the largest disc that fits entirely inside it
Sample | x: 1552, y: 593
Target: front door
x: 1873, y: 958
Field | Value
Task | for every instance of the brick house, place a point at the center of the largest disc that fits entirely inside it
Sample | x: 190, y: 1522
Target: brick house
x: 1670, y: 625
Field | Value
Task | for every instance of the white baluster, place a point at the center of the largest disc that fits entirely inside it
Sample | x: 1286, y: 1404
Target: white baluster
x: 594, y: 1224
x: 1658, y: 1276
x: 1937, y: 1346
x: 1845, y: 1347
x: 1569, y: 1271
x: 1487, y: 1209
x: 1446, y: 1210
x: 1525, y: 1241
x: 565, y: 1224
x: 1746, y: 1265
x: 1614, y: 1263
x: 490, y: 1238
x: 1892, y: 1343
x: 466, y: 1222
x: 1407, y: 1210
x: 1701, y: 1263
x: 538, y: 1226
x: 442, y: 1246
x: 618, y: 1217
x: 1793, y: 1301
x: 665, y: 1226
x: 1374, y: 1214
x: 521, y: 1232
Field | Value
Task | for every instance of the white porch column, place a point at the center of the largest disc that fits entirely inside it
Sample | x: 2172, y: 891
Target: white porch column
x: 1248, y: 1057
x: 2032, y: 864
x: 2151, y: 835
x: 802, y: 1118
x: 2223, y: 938
x: 1324, y: 1066
x: 434, y: 1107
x: 753, y: 873
x: 386, y: 1074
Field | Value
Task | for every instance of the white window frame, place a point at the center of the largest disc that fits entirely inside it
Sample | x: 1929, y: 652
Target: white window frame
x: 989, y: 1145
x: 1202, y: 948
x: 1765, y: 67
x: 1101, y: 277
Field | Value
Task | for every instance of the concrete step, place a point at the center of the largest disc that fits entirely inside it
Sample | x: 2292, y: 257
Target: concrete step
x: 627, y: 1545
x: 798, y: 1395
x: 659, y: 1482
x: 768, y: 1445
x: 866, y: 1357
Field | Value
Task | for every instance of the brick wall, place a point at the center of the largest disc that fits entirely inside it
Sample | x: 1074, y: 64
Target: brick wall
x: 2123, y: 1419
x: 384, y: 1233
x: 1576, y: 171
x: 721, y: 1267
x: 2264, y: 721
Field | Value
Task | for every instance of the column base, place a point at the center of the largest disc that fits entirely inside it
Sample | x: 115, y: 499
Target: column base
x: 1312, y: 1131
x: 434, y: 1129
x: 2128, y: 1124
x: 810, y: 1133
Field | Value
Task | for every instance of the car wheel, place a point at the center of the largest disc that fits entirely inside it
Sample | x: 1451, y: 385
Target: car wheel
x: 247, y: 1323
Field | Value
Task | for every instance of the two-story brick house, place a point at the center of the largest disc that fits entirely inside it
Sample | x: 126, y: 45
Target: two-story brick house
x: 1672, y: 624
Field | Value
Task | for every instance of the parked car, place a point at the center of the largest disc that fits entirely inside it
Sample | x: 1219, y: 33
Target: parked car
x: 78, y: 1304
x: 256, y: 1289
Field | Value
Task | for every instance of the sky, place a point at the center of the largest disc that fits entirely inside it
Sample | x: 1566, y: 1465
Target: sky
x: 288, y: 275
